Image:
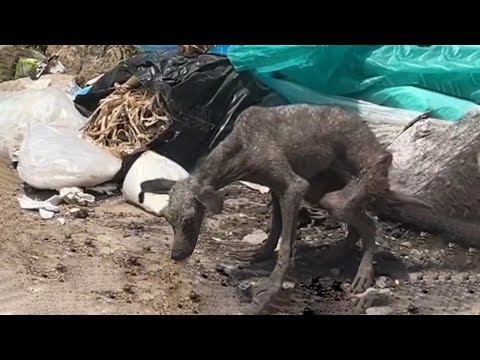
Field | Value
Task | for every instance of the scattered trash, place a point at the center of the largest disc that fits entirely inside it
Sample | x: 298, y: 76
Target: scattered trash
x: 28, y: 68
x: 76, y: 196
x: 259, y: 188
x: 34, y: 68
x: 48, y: 208
x: 46, y: 214
x: 198, y: 123
x: 73, y: 90
x: 151, y: 166
x: 50, y: 204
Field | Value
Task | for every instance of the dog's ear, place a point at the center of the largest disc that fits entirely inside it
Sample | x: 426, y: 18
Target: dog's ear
x: 211, y: 199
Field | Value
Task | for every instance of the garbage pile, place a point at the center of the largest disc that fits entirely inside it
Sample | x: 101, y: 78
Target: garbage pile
x: 152, y: 111
x: 150, y: 116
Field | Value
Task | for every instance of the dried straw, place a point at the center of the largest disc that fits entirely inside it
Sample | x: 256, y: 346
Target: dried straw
x: 194, y: 50
x: 127, y: 120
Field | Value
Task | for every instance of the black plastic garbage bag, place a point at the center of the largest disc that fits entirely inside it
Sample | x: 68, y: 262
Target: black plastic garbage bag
x: 203, y: 95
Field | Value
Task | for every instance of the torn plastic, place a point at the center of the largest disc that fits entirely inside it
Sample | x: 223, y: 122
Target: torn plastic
x: 439, y: 79
x: 202, y: 95
x: 151, y: 166
x: 368, y: 111
x: 19, y: 112
x: 55, y: 157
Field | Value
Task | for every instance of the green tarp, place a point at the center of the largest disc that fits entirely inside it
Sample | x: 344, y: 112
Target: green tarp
x: 440, y: 79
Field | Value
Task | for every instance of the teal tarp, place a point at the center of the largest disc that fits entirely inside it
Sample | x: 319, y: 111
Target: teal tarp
x: 441, y: 79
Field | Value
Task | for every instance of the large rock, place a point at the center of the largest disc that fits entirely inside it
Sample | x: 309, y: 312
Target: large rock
x: 438, y: 164
x: 90, y: 60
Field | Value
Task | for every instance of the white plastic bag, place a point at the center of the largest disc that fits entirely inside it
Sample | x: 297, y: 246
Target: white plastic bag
x: 54, y: 157
x: 22, y: 111
x: 151, y: 166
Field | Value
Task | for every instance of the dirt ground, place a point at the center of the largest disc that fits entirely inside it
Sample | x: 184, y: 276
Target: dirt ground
x: 115, y: 261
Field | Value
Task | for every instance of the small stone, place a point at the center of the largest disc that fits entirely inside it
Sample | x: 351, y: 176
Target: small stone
x: 406, y: 244
x: 61, y: 268
x: 79, y: 213
x: 452, y: 245
x: 246, y: 288
x: 415, y: 253
x: 46, y: 215
x: 255, y: 238
x: 288, y: 285
x: 412, y: 309
x: 194, y: 296
x: 128, y: 289
x: 73, y: 250
x: 225, y: 270
x: 381, y: 282
x: 89, y: 242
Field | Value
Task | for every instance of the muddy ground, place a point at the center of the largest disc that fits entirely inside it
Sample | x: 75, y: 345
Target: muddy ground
x: 115, y: 261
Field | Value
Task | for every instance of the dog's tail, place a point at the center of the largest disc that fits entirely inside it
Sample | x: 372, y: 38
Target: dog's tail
x: 417, y: 214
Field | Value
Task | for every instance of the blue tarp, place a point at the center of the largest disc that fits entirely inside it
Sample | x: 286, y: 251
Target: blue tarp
x: 441, y: 79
